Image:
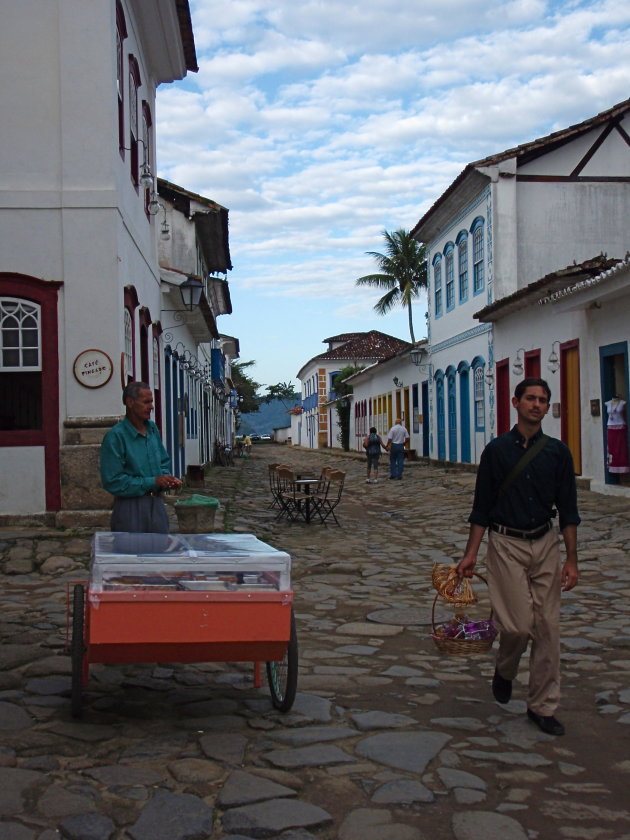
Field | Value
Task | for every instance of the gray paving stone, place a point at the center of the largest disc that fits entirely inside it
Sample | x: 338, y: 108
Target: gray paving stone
x: 410, y: 751
x: 366, y: 721
x: 468, y: 723
x: 14, y: 786
x: 453, y: 778
x: 117, y: 775
x: 471, y: 825
x: 228, y: 747
x: 267, y: 819
x: 13, y: 717
x: 320, y: 755
x: 511, y: 758
x: 312, y: 734
x: 241, y: 788
x: 16, y: 831
x: 87, y: 827
x: 376, y: 824
x: 402, y: 792
x: 170, y: 816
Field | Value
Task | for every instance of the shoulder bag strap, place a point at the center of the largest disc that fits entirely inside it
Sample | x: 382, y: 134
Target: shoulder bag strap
x: 525, y: 459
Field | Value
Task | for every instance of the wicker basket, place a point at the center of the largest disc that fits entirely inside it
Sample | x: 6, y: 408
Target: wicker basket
x: 460, y: 647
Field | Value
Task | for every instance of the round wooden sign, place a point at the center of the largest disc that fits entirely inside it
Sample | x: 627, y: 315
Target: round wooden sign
x: 93, y: 368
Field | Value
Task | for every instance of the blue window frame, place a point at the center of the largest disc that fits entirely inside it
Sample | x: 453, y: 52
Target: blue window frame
x: 449, y: 260
x: 462, y: 265
x: 477, y: 230
x: 437, y: 284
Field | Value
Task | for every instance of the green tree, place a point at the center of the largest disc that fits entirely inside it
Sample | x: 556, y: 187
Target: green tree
x: 402, y: 272
x: 246, y: 386
x: 343, y: 390
x: 283, y: 391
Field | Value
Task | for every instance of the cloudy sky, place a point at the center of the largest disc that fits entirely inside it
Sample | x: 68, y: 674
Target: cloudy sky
x: 320, y: 123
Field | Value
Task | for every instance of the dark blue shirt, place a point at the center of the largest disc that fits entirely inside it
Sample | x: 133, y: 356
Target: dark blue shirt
x: 548, y: 481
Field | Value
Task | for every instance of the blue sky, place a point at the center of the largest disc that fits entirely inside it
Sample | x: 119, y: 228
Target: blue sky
x: 321, y: 123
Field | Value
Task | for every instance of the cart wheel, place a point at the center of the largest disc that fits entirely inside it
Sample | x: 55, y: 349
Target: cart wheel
x: 77, y: 650
x: 282, y: 675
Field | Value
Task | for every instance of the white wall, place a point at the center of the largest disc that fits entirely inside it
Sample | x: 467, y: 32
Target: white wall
x: 25, y: 491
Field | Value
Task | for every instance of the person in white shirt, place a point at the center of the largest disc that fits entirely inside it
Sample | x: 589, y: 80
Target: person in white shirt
x: 396, y: 438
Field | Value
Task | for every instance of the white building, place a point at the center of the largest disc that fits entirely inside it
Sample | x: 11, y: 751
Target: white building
x: 195, y: 400
x: 385, y: 391
x: 316, y: 426
x: 572, y: 328
x: 80, y: 286
x: 508, y: 221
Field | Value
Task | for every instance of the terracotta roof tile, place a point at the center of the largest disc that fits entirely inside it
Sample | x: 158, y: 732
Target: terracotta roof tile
x: 373, y: 345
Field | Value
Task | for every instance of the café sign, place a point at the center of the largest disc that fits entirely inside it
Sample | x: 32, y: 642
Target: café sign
x: 93, y: 368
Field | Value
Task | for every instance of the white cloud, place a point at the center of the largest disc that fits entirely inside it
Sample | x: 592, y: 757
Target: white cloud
x: 320, y: 123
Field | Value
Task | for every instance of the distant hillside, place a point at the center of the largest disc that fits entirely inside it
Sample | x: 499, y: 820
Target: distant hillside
x: 269, y: 416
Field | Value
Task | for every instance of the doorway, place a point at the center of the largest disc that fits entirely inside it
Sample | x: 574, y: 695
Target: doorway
x: 571, y: 425
x: 613, y: 359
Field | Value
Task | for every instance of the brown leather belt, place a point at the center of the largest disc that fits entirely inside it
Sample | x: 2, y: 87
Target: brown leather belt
x: 521, y: 535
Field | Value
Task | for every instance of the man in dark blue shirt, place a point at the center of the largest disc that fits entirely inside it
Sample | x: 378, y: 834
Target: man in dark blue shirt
x: 525, y: 576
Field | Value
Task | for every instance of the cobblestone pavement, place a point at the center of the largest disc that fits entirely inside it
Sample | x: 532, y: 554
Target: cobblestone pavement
x: 388, y: 738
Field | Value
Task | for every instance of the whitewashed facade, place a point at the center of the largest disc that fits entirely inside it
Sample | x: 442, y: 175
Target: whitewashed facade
x: 317, y: 425
x: 507, y: 222
x: 378, y: 400
x: 196, y: 399
x: 78, y: 265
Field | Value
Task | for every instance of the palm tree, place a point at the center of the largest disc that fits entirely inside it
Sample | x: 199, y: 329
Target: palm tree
x: 403, y: 272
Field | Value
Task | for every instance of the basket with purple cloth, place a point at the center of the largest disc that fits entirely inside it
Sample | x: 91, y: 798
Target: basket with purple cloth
x: 461, y: 635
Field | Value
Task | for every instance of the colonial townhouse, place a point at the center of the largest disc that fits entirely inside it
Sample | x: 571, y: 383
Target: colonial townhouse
x: 80, y: 285
x: 316, y: 425
x: 507, y: 223
x: 193, y: 359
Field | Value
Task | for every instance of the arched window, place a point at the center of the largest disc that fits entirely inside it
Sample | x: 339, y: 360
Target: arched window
x: 477, y: 229
x: 462, y: 265
x: 128, y: 344
x: 121, y: 34
x: 134, y: 84
x: 147, y: 138
x: 20, y: 365
x: 437, y: 284
x: 450, y: 275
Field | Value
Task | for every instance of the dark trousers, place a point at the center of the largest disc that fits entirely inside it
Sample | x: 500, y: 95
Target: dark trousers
x: 140, y: 515
x: 396, y: 459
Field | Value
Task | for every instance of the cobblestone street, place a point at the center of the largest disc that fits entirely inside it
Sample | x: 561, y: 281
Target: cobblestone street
x: 388, y: 738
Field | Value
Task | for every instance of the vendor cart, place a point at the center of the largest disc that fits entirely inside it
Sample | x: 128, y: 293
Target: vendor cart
x: 185, y: 598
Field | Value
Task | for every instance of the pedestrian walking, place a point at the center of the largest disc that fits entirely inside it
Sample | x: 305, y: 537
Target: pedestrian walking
x: 522, y: 475
x: 373, y: 444
x: 247, y: 443
x: 135, y: 466
x: 396, y: 438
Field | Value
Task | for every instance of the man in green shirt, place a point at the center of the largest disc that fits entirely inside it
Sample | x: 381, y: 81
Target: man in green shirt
x: 135, y: 466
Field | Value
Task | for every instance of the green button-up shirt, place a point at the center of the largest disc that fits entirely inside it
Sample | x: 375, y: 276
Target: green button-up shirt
x: 130, y: 461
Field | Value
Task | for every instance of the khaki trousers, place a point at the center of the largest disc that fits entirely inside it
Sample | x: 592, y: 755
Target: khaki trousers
x: 524, y: 581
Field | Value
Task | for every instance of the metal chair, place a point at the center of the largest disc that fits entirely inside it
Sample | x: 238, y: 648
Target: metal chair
x: 326, y: 503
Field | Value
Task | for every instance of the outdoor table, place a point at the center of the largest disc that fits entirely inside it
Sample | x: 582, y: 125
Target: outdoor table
x: 306, y: 484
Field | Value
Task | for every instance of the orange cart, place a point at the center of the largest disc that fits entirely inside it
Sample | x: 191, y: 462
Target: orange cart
x: 185, y: 598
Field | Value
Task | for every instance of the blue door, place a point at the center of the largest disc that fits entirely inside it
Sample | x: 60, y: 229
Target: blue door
x: 464, y: 414
x: 439, y: 389
x: 425, y: 419
x: 452, y: 418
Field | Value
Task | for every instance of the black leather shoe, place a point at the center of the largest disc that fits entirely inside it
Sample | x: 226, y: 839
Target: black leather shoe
x: 501, y: 688
x: 548, y: 724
